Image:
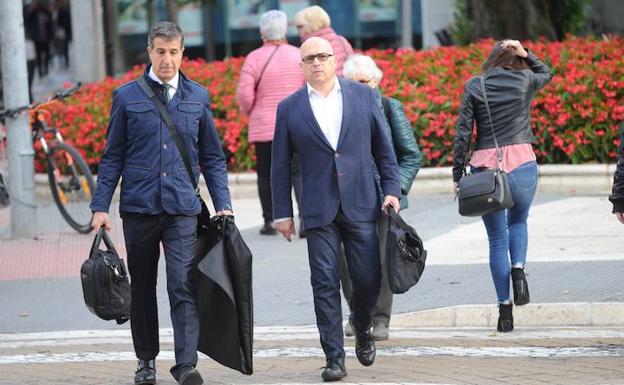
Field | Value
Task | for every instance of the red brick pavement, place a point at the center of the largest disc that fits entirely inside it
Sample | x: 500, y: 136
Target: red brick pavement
x: 53, y: 254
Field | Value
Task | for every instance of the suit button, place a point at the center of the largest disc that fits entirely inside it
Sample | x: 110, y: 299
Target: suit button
x: 336, y: 155
x: 164, y: 174
x: 165, y: 146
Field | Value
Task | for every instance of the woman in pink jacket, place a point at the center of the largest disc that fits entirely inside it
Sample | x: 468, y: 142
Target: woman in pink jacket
x: 269, y: 74
x: 314, y: 21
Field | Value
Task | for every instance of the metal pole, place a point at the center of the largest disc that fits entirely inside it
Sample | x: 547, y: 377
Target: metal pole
x: 88, y: 33
x: 406, y: 24
x: 20, y: 151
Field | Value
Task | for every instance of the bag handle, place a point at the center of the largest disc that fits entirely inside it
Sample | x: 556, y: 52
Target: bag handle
x: 101, y: 235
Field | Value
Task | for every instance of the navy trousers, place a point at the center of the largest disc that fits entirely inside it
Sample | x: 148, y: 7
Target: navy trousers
x: 362, y: 254
x: 178, y: 235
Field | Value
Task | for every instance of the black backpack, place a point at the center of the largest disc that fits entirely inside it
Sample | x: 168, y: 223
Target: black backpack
x: 105, y: 282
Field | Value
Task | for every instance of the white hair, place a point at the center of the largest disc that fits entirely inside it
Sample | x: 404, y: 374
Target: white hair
x: 362, y: 65
x: 273, y: 25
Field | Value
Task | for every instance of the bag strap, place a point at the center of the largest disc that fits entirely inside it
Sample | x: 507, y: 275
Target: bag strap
x: 172, y: 129
x: 265, y: 67
x: 499, y: 157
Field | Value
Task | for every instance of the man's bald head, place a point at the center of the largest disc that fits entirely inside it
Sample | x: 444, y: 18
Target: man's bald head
x: 318, y: 62
x: 316, y: 44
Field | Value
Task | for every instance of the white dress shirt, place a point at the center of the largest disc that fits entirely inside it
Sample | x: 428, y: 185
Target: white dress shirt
x: 328, y: 111
x: 173, y: 82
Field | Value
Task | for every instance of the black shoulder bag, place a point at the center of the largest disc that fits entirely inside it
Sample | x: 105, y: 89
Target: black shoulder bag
x: 203, y: 219
x: 484, y: 192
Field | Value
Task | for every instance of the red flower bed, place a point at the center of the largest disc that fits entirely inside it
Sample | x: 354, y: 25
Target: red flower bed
x: 575, y: 118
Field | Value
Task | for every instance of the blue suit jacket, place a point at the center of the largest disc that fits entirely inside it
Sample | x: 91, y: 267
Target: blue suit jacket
x: 333, y: 179
x: 141, y: 151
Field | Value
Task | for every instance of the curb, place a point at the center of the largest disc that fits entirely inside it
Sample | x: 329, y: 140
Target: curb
x: 561, y: 178
x: 598, y: 314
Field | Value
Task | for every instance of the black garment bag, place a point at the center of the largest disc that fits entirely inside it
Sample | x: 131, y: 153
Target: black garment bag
x: 405, y: 254
x: 224, y: 290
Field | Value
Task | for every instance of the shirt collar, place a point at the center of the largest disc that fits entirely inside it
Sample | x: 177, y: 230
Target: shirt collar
x: 173, y: 82
x: 335, y: 89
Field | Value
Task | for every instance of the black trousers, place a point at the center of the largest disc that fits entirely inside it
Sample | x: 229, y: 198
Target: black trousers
x: 263, y: 169
x: 178, y: 234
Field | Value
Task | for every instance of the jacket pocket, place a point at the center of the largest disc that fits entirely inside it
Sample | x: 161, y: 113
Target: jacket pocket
x: 366, y: 193
x: 190, y: 113
x: 143, y: 119
x: 135, y: 185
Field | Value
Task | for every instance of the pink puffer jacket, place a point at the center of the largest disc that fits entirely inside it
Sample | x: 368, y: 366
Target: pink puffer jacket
x: 282, y: 77
x: 341, y: 46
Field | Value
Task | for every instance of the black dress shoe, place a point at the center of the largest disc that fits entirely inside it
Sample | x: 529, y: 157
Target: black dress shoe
x: 145, y: 373
x: 505, y: 318
x: 364, y: 346
x: 520, y: 286
x: 188, y: 375
x: 335, y: 370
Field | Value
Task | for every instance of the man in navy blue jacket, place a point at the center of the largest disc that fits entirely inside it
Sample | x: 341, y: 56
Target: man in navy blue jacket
x: 337, y: 130
x: 158, y: 203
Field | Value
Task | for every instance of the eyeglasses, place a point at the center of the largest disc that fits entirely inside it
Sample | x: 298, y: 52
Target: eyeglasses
x: 322, y: 57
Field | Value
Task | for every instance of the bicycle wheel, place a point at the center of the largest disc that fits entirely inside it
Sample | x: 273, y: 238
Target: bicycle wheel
x: 72, y: 186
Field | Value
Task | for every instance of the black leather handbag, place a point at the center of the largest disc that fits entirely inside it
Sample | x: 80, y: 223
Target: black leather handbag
x: 405, y: 254
x: 105, y: 283
x: 483, y: 192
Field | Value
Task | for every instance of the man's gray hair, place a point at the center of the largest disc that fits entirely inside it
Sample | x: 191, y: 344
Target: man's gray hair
x: 273, y: 25
x: 362, y: 65
x: 165, y: 30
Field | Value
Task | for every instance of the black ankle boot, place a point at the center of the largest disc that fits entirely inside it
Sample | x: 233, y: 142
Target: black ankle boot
x: 520, y: 286
x: 505, y: 318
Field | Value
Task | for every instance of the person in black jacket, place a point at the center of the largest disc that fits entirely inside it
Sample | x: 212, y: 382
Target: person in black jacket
x: 617, y: 194
x: 512, y: 77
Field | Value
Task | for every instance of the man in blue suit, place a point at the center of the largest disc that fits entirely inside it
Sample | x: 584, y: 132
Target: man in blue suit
x: 337, y: 131
x: 158, y: 202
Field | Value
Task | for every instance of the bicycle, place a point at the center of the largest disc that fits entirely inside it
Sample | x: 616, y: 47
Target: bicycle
x: 69, y: 176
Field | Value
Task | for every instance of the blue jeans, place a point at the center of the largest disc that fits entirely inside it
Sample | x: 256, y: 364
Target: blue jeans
x: 507, y: 229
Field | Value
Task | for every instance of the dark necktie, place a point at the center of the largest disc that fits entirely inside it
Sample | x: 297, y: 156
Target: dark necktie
x: 166, y: 88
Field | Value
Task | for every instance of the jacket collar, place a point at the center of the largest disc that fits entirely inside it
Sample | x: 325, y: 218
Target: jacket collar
x: 181, y: 91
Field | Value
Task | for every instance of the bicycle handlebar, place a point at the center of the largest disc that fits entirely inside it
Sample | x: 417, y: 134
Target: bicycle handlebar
x: 59, y: 95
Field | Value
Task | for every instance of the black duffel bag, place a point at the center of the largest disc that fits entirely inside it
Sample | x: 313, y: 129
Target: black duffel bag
x: 483, y: 192
x: 105, y: 284
x: 405, y: 254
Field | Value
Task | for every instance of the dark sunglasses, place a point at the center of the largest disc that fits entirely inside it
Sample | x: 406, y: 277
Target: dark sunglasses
x: 322, y: 57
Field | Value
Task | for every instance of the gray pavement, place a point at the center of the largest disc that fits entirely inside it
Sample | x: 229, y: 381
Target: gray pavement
x: 282, y: 291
